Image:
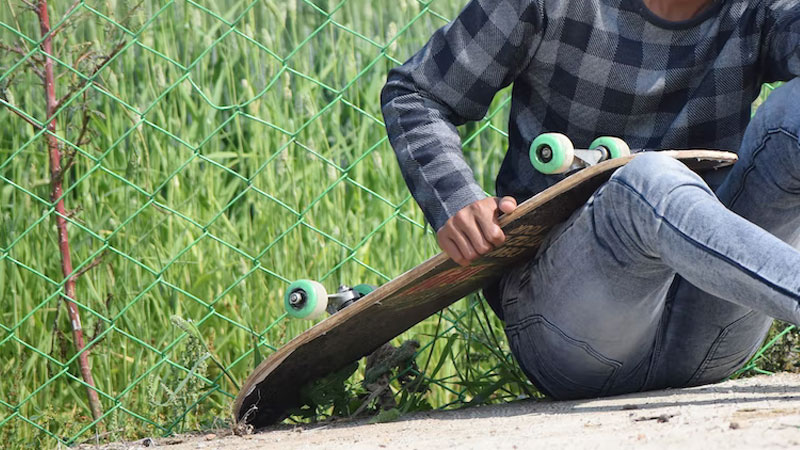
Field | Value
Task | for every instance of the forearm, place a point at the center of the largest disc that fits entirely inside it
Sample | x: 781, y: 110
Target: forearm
x: 450, y: 81
x: 428, y: 149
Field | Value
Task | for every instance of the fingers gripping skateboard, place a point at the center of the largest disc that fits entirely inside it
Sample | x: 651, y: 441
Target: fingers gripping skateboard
x: 553, y: 153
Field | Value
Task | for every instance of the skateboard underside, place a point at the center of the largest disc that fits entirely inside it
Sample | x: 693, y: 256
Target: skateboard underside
x: 274, y: 386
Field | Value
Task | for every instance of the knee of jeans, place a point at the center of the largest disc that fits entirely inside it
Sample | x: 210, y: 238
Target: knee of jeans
x: 655, y: 176
x: 772, y: 140
x: 779, y: 111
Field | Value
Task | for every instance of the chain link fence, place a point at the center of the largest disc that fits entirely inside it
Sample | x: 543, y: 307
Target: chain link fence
x: 211, y: 152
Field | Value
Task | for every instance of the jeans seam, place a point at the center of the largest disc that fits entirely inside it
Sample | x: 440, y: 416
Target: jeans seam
x: 747, y: 271
x: 612, y: 364
x: 658, y: 344
x: 714, y: 347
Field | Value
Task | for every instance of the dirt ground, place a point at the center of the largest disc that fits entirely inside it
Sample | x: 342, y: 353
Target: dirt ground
x: 760, y: 412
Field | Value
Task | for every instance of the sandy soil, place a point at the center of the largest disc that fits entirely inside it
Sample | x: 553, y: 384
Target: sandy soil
x: 760, y: 412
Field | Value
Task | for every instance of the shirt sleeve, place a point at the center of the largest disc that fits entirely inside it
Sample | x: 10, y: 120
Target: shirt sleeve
x: 450, y: 81
x: 783, y: 40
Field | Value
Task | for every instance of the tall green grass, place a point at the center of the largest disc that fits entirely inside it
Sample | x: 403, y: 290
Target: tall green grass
x: 235, y: 147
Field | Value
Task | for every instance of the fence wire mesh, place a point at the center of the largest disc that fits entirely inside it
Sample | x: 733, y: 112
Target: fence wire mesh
x: 213, y: 152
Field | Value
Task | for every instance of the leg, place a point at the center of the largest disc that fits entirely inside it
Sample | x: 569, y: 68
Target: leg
x: 764, y: 188
x: 583, y: 318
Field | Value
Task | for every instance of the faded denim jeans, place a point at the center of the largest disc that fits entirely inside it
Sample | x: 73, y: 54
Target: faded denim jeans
x: 663, y: 278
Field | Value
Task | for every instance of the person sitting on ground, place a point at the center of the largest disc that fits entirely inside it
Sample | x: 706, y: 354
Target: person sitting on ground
x: 663, y: 278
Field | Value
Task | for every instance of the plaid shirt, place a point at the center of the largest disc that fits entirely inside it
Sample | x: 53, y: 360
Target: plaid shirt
x: 584, y: 68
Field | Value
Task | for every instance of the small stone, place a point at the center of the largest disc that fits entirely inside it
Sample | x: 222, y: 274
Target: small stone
x: 734, y: 426
x: 211, y: 436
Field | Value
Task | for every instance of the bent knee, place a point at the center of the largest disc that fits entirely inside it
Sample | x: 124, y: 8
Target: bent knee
x: 779, y: 111
x: 772, y: 141
x: 655, y: 175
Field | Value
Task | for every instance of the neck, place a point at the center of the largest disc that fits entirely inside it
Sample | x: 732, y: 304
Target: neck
x: 676, y: 10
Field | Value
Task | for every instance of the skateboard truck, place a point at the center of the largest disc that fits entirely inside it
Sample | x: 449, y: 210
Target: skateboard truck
x: 308, y: 299
x: 553, y: 153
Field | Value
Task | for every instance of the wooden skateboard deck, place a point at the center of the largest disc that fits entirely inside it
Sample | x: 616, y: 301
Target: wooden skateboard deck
x: 352, y: 333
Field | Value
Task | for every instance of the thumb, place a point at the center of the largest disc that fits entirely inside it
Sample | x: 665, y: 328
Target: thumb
x: 506, y: 204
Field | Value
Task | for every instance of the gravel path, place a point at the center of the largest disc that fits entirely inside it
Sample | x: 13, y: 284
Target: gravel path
x: 760, y: 412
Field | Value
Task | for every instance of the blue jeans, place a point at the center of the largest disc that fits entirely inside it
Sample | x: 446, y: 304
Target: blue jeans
x: 664, y: 278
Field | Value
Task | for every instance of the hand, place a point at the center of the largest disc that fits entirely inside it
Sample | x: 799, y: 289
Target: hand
x: 475, y: 230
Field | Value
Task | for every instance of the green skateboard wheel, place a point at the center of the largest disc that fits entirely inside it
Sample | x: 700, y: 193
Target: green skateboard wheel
x: 552, y: 153
x: 305, y: 299
x: 364, y: 289
x: 616, y: 147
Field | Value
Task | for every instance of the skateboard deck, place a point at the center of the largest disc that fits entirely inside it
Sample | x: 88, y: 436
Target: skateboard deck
x: 354, y: 332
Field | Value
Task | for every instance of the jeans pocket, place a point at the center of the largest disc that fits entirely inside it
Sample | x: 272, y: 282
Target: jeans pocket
x: 734, y: 346
x: 559, y: 365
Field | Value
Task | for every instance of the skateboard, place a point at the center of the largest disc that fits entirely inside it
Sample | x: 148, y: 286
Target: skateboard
x: 364, y: 319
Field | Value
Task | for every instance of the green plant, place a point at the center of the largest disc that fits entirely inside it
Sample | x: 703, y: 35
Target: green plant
x: 228, y: 155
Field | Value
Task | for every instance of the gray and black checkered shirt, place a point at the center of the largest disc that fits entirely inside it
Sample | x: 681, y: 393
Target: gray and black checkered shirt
x: 584, y: 68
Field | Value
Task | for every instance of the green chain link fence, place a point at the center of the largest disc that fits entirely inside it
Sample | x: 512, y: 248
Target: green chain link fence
x: 214, y: 151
